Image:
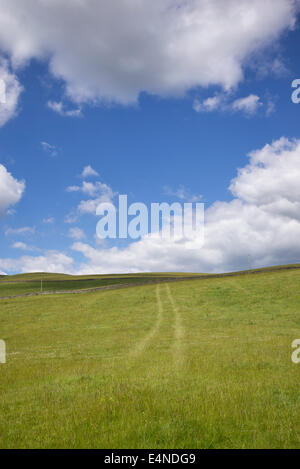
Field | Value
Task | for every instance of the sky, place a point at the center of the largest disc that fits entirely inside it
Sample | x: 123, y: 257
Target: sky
x: 164, y: 101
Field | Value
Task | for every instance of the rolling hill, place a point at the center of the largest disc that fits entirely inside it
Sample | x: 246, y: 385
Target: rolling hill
x: 202, y: 363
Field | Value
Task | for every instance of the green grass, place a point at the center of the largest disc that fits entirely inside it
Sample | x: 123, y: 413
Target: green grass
x: 194, y: 364
x: 32, y: 286
x: 31, y: 283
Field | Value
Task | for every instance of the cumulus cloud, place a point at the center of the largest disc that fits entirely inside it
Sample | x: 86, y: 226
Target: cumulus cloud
x: 90, y: 188
x: 262, y: 221
x: 76, y: 233
x: 249, y: 105
x: 49, y: 221
x: 24, y: 246
x: 88, y: 172
x: 209, y: 104
x: 271, y: 177
x: 10, y: 92
x: 11, y: 190
x: 59, y: 108
x: 113, y: 51
x: 24, y: 230
x: 50, y: 149
x: 182, y: 193
x: 51, y: 261
x: 71, y: 217
x: 104, y: 194
x: 73, y: 189
x: 221, y: 102
x: 99, y: 193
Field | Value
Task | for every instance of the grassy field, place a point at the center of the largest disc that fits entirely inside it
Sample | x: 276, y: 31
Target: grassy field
x: 194, y: 364
x: 10, y: 288
x: 31, y: 283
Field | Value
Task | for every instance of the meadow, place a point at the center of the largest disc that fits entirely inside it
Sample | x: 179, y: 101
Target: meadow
x: 203, y: 363
x: 26, y: 284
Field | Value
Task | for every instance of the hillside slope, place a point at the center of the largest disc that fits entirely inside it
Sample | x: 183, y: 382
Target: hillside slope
x: 192, y: 364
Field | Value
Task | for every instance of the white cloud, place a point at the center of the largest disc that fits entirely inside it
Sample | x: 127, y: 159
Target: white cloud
x: 89, y: 188
x: 100, y: 192
x: 24, y: 246
x: 71, y: 217
x: 271, y: 176
x: 249, y: 105
x: 210, y: 104
x: 97, y: 188
x: 19, y: 245
x: 11, y: 190
x: 60, y: 109
x: 12, y: 91
x: 182, y: 193
x: 88, y: 171
x: 50, y: 149
x: 49, y: 221
x: 221, y: 102
x: 51, y: 261
x: 11, y: 211
x: 274, y: 67
x: 73, y: 189
x: 112, y: 52
x: 90, y: 206
x: 270, y: 103
x: 76, y: 233
x: 263, y: 221
x: 20, y: 231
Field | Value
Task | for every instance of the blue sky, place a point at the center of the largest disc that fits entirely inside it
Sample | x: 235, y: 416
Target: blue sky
x: 149, y: 139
